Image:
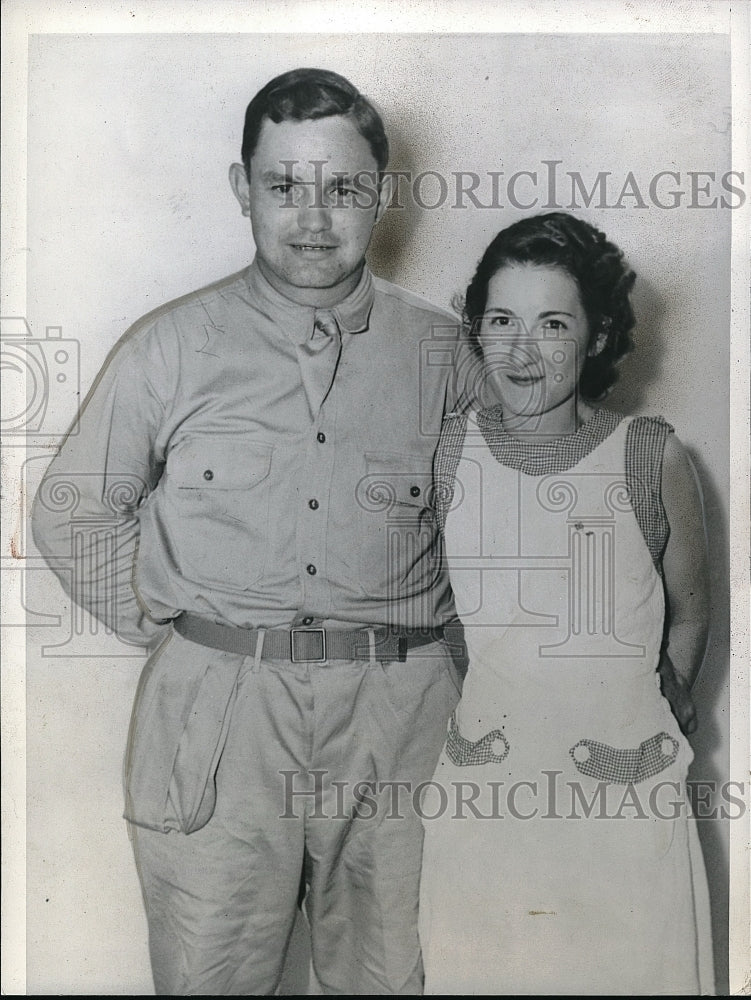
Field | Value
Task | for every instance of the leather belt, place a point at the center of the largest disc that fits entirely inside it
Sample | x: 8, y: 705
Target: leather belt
x: 307, y: 645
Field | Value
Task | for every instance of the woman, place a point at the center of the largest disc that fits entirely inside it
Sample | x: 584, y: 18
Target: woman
x: 560, y: 853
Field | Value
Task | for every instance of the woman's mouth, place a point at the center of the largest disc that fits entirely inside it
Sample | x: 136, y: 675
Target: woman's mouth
x: 526, y: 377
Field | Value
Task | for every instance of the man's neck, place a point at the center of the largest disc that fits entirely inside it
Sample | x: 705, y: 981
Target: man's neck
x: 318, y: 298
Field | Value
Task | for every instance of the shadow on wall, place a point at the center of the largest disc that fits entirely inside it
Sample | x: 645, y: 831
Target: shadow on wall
x: 641, y: 369
x: 392, y: 237
x: 710, y: 694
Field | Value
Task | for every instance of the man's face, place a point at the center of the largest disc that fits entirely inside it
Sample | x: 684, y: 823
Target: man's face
x: 311, y: 222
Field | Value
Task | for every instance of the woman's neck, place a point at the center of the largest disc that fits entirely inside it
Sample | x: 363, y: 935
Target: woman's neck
x: 550, y: 425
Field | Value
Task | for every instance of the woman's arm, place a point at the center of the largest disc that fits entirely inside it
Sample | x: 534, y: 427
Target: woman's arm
x: 686, y: 584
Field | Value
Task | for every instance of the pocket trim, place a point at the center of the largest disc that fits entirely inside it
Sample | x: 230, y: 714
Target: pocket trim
x: 625, y: 766
x: 464, y: 752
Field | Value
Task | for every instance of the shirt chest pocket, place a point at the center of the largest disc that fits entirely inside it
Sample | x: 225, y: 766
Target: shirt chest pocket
x: 218, y: 494
x: 398, y: 552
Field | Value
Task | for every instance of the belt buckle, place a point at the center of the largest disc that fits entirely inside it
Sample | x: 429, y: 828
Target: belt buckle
x: 293, y: 634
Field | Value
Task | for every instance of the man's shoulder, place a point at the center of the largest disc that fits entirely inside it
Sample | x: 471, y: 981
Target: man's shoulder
x: 195, y: 302
x: 409, y: 300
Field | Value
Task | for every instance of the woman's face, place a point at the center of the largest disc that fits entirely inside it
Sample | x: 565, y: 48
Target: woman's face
x: 534, y: 337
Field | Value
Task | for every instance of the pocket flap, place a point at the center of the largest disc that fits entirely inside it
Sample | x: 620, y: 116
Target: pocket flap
x: 394, y: 478
x: 219, y: 462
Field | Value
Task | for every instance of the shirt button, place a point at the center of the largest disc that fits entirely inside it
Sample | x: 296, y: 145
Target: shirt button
x: 313, y: 504
x: 414, y: 491
x: 321, y: 437
x: 307, y: 621
x: 311, y: 569
x: 208, y: 475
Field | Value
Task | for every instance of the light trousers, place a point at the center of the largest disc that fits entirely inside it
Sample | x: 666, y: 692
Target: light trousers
x: 318, y: 785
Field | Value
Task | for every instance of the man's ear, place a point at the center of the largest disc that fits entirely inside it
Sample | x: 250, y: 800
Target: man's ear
x: 385, y: 192
x: 240, y: 186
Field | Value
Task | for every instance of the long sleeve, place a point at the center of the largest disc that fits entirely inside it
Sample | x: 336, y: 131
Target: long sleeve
x: 85, y: 514
x: 197, y: 480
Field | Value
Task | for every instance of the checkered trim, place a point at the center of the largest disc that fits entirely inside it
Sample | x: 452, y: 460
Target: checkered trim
x: 463, y: 752
x: 541, y: 458
x: 624, y: 767
x: 645, y: 447
x: 446, y: 462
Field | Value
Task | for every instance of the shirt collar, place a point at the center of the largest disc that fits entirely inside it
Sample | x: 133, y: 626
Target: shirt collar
x: 352, y: 313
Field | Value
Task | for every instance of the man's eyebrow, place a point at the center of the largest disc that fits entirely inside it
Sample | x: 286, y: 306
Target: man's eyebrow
x: 274, y: 176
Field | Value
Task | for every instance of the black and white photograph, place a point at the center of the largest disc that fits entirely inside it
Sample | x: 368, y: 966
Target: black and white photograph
x: 375, y: 457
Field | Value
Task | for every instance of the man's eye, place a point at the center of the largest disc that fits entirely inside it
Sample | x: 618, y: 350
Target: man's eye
x: 281, y: 188
x: 342, y: 191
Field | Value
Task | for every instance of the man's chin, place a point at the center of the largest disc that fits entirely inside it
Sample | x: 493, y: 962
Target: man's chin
x: 319, y: 274
x: 314, y: 277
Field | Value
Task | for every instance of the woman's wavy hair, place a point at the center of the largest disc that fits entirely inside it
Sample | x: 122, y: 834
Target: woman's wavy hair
x: 558, y: 239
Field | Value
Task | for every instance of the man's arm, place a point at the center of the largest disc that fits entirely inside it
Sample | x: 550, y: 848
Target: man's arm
x: 686, y: 584
x: 84, y: 516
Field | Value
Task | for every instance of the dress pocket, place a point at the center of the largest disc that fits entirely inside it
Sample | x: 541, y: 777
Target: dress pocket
x: 492, y: 748
x: 399, y: 555
x: 219, y: 488
x: 625, y: 766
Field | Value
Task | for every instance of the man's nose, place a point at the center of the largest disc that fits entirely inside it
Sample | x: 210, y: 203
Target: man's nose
x: 314, y: 214
x: 314, y: 220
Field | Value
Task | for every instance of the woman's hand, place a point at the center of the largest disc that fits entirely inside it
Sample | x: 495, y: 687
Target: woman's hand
x: 678, y: 693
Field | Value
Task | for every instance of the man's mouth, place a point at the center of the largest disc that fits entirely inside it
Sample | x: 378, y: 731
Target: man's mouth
x: 313, y: 247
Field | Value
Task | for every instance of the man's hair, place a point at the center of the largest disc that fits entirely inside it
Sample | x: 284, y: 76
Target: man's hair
x: 604, y: 280
x: 308, y: 94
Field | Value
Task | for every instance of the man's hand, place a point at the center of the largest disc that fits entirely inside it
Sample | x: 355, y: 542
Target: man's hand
x: 678, y: 693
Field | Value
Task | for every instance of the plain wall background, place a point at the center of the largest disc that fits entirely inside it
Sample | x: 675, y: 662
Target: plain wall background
x: 129, y: 140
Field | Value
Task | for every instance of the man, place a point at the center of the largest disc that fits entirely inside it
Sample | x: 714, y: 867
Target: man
x: 258, y: 458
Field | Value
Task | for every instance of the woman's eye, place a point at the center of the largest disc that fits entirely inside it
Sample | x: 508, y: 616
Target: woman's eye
x: 554, y: 324
x: 500, y: 321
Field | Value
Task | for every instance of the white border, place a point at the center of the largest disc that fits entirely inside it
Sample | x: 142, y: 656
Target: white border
x: 740, y: 514
x: 21, y: 19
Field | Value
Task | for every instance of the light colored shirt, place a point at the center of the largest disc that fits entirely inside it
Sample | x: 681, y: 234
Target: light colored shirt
x: 202, y: 476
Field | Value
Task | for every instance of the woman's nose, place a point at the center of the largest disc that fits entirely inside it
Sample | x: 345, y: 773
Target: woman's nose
x: 516, y: 336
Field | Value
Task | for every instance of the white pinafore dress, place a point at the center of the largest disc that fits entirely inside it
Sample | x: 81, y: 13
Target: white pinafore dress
x: 560, y: 852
